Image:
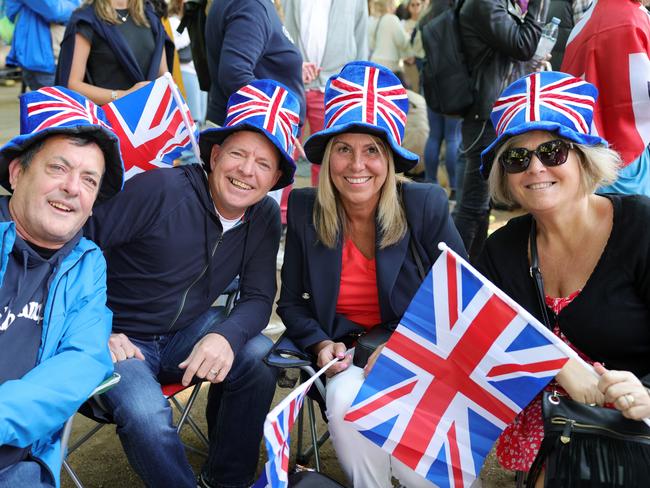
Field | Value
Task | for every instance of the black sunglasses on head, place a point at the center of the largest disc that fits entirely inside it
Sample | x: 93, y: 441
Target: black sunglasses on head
x: 550, y: 153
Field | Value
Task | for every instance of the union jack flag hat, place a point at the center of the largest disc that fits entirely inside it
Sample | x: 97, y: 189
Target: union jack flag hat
x: 57, y: 110
x: 263, y: 106
x: 364, y: 97
x: 550, y: 101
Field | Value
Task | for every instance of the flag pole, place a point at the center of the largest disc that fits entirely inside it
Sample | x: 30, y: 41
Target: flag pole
x: 521, y: 310
x: 186, y: 121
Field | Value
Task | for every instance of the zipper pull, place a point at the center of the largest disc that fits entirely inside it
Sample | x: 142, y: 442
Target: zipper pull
x: 565, y: 437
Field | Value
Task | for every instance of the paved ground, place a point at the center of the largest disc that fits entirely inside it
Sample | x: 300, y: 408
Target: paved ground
x: 101, y: 461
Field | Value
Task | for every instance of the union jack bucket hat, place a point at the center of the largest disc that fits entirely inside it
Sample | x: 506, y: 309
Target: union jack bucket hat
x: 550, y: 101
x: 57, y: 110
x: 368, y: 98
x: 263, y: 106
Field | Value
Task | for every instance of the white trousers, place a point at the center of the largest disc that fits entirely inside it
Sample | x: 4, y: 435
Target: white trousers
x: 365, y: 463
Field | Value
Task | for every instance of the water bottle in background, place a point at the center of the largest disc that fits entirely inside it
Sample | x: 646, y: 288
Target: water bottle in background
x: 546, y: 41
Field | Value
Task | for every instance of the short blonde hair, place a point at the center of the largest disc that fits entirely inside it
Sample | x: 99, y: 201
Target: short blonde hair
x: 329, y: 215
x: 598, y: 167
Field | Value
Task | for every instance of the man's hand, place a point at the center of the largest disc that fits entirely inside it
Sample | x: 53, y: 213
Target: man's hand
x: 210, y: 359
x: 580, y: 383
x: 309, y: 72
x: 325, y: 351
x: 625, y: 391
x: 122, y: 348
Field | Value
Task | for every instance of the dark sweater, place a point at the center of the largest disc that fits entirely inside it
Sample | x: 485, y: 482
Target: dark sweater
x: 610, y: 319
x: 168, y: 260
x: 246, y: 41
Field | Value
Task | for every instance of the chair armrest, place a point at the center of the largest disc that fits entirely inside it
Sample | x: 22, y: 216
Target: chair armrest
x: 285, y: 354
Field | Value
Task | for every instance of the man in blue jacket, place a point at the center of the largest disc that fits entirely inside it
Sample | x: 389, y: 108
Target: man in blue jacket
x: 39, y: 29
x: 174, y: 240
x: 54, y: 323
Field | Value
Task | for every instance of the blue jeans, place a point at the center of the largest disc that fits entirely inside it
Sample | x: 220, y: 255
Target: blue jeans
x: 36, y: 80
x: 26, y: 473
x: 472, y: 213
x: 447, y: 129
x: 236, y: 410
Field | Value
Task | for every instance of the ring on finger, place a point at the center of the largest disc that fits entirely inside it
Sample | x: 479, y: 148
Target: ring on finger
x: 630, y: 399
x: 214, y: 372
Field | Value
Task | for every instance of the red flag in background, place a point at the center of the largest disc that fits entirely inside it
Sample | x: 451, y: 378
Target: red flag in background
x: 610, y: 47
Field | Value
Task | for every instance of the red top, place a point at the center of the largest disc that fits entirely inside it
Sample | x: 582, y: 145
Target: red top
x: 358, y: 296
x: 519, y: 443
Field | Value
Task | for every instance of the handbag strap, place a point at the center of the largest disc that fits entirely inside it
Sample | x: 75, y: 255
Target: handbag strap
x: 416, y: 256
x: 536, y: 274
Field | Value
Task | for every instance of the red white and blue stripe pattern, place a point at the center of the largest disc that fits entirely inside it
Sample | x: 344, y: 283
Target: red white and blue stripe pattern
x: 54, y: 106
x: 370, y: 96
x: 269, y: 109
x: 152, y: 127
x: 526, y: 100
x: 547, y: 101
x: 365, y: 98
x: 463, y: 362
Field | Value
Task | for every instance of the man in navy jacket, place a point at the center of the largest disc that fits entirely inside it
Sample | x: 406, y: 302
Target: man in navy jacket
x: 174, y: 241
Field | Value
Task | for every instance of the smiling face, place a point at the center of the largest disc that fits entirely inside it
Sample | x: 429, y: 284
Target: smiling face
x: 541, y: 188
x: 358, y: 168
x: 244, y: 168
x: 54, y: 195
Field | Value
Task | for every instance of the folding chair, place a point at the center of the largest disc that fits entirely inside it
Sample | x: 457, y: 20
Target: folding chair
x: 170, y: 391
x: 284, y: 355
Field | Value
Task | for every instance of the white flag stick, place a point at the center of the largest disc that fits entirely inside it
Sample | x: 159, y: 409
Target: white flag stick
x: 523, y: 312
x: 186, y: 121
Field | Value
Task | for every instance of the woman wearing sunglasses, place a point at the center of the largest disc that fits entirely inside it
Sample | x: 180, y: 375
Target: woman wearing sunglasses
x: 593, y: 252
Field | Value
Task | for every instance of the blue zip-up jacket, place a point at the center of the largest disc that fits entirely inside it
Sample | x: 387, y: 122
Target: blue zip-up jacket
x: 168, y: 259
x: 73, y: 357
x: 31, y: 47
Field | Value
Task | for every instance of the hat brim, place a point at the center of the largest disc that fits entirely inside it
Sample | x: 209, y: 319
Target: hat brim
x: 405, y: 160
x: 216, y: 135
x: 487, y: 156
x: 113, y: 179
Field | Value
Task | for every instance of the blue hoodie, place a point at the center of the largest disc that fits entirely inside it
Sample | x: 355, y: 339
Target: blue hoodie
x: 73, y: 356
x: 31, y: 47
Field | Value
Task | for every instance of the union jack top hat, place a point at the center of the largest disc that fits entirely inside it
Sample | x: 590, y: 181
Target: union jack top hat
x: 549, y: 101
x: 263, y: 106
x: 57, y: 110
x: 364, y: 97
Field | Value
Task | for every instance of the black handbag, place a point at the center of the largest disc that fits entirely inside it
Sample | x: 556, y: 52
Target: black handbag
x: 368, y: 342
x: 584, y: 445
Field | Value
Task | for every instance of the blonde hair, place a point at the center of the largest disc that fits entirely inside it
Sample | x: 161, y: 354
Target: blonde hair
x: 106, y: 12
x: 598, y: 167
x: 329, y: 216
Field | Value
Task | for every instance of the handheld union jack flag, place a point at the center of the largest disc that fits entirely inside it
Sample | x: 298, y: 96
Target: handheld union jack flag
x: 277, y: 427
x: 464, y: 360
x: 154, y: 126
x: 54, y: 107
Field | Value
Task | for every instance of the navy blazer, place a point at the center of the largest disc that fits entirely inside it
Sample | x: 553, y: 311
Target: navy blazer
x: 311, y: 273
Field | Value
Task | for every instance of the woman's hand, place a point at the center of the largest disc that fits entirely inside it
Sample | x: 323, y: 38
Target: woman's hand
x: 372, y: 360
x: 325, y: 351
x: 625, y: 391
x: 135, y: 87
x: 580, y: 383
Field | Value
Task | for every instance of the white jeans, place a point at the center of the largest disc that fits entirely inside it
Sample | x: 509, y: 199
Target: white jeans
x: 365, y: 463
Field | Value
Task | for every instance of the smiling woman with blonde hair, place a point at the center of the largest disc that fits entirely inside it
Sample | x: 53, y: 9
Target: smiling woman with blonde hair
x: 357, y: 248
x: 580, y: 263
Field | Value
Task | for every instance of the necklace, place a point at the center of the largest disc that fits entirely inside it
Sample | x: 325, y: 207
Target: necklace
x: 122, y: 17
